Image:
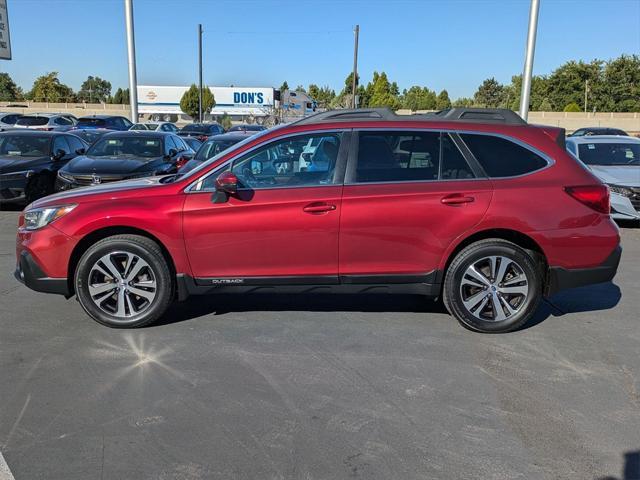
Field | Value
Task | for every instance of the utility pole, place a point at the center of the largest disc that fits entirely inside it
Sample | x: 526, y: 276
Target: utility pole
x: 586, y: 90
x: 354, y: 82
x: 131, y: 52
x: 200, y: 73
x: 528, y: 59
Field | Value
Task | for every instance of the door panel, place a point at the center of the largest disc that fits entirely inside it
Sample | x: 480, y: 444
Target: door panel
x: 404, y: 228
x: 264, y: 233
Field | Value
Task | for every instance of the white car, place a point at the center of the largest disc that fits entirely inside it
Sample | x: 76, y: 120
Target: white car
x: 616, y: 161
x: 155, y: 126
x: 47, y: 121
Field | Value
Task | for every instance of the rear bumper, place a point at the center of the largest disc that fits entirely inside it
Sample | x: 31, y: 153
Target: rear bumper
x: 562, y: 278
x: 29, y: 272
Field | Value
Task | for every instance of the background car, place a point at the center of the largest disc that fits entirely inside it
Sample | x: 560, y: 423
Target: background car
x: 155, y: 127
x: 47, y: 121
x: 29, y: 161
x: 90, y: 135
x: 112, y: 122
x: 201, y: 131
x: 212, y: 147
x: 8, y: 120
x: 581, y: 132
x: 124, y: 155
x: 193, y: 142
x: 616, y: 161
x: 247, y: 128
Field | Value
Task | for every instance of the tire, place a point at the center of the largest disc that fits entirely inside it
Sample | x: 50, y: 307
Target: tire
x: 515, y: 286
x: 39, y: 186
x: 136, y: 294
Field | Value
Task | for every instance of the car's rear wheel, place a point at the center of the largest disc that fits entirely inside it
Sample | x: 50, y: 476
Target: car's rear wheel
x: 124, y: 281
x: 493, y: 286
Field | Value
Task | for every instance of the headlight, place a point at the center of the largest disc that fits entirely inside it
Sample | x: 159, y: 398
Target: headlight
x: 65, y: 176
x: 625, y: 192
x: 39, y: 217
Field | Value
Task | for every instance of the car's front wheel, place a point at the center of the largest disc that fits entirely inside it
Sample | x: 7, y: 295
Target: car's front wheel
x: 124, y: 281
x: 493, y: 286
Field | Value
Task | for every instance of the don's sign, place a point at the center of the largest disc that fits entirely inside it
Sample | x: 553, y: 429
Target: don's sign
x: 5, y: 40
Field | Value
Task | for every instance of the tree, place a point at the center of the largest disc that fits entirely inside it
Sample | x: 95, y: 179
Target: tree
x: 225, y: 121
x: 463, y: 102
x: 489, y: 94
x: 94, y: 89
x: 121, y: 97
x: 443, y: 102
x: 323, y: 96
x: 545, y: 106
x: 619, y: 90
x: 9, y: 91
x: 47, y: 88
x: 566, y: 84
x: 419, y: 98
x: 572, y: 107
x: 383, y: 93
x: 284, y: 86
x: 300, y: 88
x: 189, y: 101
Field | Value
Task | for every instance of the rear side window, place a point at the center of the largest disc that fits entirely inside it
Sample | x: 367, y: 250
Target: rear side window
x: 500, y: 157
x: 91, y: 122
x: 408, y: 156
x: 32, y: 121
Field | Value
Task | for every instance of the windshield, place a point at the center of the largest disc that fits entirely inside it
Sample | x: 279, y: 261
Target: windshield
x: 229, y: 150
x: 610, y: 153
x: 24, y: 145
x: 32, y: 121
x: 129, y: 146
x: 195, y: 128
x: 214, y: 147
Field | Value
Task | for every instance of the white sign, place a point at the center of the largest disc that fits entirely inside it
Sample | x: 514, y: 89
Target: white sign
x: 256, y: 101
x: 5, y: 39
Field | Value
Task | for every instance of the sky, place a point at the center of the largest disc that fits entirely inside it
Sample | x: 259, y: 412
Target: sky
x: 452, y: 44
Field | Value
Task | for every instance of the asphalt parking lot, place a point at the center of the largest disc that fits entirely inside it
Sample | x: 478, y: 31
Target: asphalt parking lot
x: 319, y: 387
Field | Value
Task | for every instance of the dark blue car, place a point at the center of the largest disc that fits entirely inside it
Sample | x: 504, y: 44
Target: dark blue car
x: 111, y: 122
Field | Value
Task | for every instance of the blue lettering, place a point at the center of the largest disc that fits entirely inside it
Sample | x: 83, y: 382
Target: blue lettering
x: 236, y: 97
x: 260, y: 99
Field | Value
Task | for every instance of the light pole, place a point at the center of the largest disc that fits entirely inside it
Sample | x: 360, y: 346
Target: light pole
x: 528, y: 59
x: 131, y: 53
x: 200, y: 73
x: 354, y: 80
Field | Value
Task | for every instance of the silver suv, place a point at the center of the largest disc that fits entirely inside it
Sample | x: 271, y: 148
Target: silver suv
x: 47, y: 121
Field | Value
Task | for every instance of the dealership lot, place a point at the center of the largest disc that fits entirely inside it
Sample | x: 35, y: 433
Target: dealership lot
x: 321, y: 387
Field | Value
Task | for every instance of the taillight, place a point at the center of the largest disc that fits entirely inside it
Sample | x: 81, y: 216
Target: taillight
x: 181, y: 161
x: 593, y: 196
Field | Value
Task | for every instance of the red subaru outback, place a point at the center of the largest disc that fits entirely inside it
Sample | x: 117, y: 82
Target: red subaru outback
x: 472, y: 205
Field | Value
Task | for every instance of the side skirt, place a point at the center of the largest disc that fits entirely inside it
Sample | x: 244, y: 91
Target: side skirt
x: 426, y: 284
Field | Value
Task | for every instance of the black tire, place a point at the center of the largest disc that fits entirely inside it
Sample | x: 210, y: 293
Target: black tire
x: 142, y: 248
x: 39, y: 186
x: 473, y: 255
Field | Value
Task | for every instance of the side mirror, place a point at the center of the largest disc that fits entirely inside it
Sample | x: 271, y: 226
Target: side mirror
x: 227, y: 182
x: 59, y: 154
x: 80, y: 151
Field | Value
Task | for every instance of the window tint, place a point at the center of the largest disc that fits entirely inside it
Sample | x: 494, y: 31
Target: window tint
x: 92, y: 122
x: 75, y: 143
x: 610, y: 153
x: 454, y: 165
x: 63, y: 121
x: 169, y: 144
x: 125, y: 122
x: 60, y: 143
x: 288, y: 163
x: 32, y: 121
x: 500, y: 157
x: 408, y: 156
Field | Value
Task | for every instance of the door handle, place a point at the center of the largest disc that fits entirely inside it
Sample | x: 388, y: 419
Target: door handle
x: 456, y: 199
x: 318, y: 207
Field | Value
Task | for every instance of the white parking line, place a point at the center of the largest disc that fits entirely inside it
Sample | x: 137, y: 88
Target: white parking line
x: 5, y: 473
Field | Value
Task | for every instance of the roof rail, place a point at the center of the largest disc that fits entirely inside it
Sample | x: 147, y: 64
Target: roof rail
x: 473, y: 115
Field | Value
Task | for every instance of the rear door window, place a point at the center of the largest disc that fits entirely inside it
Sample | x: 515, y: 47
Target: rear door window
x: 75, y: 143
x: 32, y: 121
x: 60, y: 143
x: 500, y: 157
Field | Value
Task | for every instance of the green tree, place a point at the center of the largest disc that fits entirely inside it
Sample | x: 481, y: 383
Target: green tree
x: 189, y: 101
x: 545, y: 106
x: 463, y: 102
x: 9, y: 91
x: 489, y: 94
x: 224, y: 120
x: 284, y: 86
x: 323, y: 96
x: 300, y: 88
x: 47, y: 88
x: 94, y: 90
x: 443, y: 102
x: 572, y: 107
x: 539, y: 92
x: 619, y: 90
x: 121, y: 97
x: 383, y: 93
x: 419, y: 98
x: 567, y: 83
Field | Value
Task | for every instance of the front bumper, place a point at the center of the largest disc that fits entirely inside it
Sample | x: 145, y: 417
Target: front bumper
x: 624, y: 208
x: 29, y: 272
x: 563, y: 278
